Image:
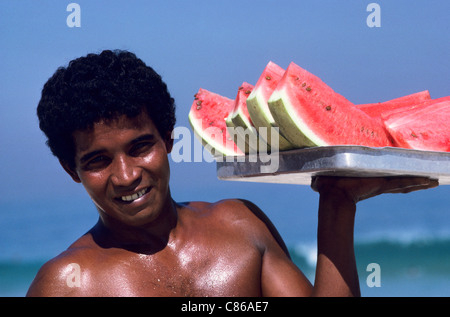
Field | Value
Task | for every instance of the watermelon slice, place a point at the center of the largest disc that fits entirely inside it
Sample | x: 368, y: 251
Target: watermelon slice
x: 412, y: 107
x: 375, y: 109
x: 257, y: 104
x: 207, y: 118
x: 422, y: 127
x: 240, y: 124
x: 310, y: 113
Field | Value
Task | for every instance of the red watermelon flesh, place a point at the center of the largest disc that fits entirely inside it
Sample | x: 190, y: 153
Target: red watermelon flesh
x: 424, y: 127
x: 207, y: 118
x: 240, y: 102
x: 259, y: 109
x: 240, y: 123
x: 310, y: 113
x: 375, y: 109
x: 411, y: 107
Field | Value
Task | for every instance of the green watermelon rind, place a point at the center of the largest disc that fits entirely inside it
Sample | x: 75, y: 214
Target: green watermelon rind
x: 261, y: 116
x: 291, y: 126
x: 258, y: 109
x: 238, y: 120
x: 216, y: 149
x: 239, y: 125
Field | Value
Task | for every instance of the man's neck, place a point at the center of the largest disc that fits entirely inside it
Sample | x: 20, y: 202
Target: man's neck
x: 149, y: 238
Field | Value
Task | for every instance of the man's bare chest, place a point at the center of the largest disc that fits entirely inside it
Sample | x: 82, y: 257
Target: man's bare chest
x: 201, y: 273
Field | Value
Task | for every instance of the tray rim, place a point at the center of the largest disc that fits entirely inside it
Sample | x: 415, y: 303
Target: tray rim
x: 343, y: 161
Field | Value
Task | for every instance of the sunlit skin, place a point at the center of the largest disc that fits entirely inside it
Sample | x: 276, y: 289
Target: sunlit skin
x: 146, y: 244
x: 118, y: 160
x: 153, y: 246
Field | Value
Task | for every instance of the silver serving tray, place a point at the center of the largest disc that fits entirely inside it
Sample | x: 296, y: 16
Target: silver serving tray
x: 298, y: 166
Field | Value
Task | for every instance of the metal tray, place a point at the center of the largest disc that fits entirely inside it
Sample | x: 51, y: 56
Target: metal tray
x: 298, y: 166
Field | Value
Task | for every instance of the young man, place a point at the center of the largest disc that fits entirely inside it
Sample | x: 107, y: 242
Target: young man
x: 108, y: 119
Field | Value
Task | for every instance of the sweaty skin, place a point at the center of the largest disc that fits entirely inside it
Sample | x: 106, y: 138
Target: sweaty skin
x: 214, y: 250
x: 146, y: 244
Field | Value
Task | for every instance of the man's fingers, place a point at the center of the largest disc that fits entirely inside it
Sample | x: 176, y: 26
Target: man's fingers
x: 408, y: 185
x: 363, y: 188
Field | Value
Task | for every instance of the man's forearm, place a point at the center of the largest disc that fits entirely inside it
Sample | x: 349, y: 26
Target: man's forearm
x: 336, y: 273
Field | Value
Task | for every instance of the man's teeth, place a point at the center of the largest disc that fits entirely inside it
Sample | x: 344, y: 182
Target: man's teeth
x: 134, y: 196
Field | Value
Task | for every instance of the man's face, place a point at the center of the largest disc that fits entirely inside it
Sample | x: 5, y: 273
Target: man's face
x: 124, y: 167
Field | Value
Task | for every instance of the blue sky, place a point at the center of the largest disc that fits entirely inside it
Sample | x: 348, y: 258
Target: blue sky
x: 215, y: 45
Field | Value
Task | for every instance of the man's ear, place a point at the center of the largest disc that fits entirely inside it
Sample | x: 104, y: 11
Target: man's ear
x: 71, y: 171
x: 168, y: 140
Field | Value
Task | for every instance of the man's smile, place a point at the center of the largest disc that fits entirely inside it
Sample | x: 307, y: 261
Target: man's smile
x: 135, y: 196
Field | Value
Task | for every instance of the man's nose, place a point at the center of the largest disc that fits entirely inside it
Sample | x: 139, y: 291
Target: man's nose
x: 125, y: 172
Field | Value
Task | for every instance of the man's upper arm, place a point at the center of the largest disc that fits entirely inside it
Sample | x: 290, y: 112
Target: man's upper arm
x: 273, y: 230
x: 53, y: 280
x: 280, y: 276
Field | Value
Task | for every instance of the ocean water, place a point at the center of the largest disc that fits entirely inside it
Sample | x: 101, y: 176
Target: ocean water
x: 419, y: 268
x: 411, y: 249
x: 406, y: 268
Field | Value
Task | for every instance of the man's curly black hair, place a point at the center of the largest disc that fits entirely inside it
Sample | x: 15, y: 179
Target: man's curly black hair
x: 100, y: 87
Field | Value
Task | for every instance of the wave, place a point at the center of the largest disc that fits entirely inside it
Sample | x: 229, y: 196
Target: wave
x: 408, y: 236
x: 408, y: 253
x: 396, y: 253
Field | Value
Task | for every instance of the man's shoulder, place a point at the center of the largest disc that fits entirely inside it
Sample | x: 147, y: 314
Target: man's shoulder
x: 242, y: 214
x: 228, y: 209
x: 58, y: 276
x: 233, y: 209
x: 52, y: 276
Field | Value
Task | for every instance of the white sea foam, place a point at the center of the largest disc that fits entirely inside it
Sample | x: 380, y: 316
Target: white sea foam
x: 403, y: 236
x: 400, y: 244
x: 308, y: 251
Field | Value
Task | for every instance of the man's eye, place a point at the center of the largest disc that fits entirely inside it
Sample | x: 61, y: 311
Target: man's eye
x: 140, y: 148
x: 97, y: 162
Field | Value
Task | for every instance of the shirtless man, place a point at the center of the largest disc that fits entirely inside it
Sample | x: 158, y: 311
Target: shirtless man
x: 108, y: 119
